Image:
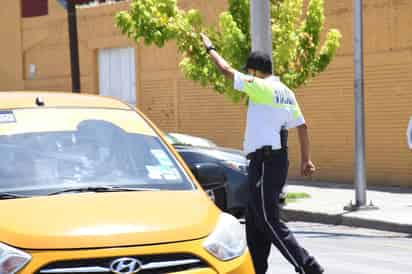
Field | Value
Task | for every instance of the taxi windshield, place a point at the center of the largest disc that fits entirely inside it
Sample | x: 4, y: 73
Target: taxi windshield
x: 48, y: 150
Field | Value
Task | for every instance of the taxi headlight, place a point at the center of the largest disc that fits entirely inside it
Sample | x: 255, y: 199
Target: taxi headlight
x: 11, y: 259
x: 228, y: 240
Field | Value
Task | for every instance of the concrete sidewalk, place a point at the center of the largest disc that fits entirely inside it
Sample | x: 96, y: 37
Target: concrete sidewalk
x: 327, y: 201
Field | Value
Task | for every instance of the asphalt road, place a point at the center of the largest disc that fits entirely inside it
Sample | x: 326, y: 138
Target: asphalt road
x: 347, y: 250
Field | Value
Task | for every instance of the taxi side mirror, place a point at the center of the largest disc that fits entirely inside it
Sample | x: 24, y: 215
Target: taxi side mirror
x: 208, y: 174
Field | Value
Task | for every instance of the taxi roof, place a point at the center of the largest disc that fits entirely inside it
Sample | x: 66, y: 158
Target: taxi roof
x: 27, y: 99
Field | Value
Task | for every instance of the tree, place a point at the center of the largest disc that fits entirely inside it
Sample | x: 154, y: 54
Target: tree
x: 297, y: 51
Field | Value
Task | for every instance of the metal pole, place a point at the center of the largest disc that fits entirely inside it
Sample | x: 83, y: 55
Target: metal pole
x: 360, y: 170
x: 74, y: 46
x: 260, y: 26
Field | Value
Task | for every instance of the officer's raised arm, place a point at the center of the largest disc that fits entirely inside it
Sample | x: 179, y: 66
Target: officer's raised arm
x: 220, y: 62
x: 248, y: 84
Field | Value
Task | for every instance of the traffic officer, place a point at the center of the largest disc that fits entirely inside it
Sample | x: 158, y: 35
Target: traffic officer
x: 271, y: 111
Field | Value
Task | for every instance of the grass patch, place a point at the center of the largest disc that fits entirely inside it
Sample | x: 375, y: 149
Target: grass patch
x: 293, y: 196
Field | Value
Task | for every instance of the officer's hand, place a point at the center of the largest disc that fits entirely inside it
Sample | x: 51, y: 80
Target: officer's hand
x: 206, y: 41
x: 307, y: 168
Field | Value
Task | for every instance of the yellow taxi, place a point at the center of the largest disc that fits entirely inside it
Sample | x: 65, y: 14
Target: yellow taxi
x: 88, y: 185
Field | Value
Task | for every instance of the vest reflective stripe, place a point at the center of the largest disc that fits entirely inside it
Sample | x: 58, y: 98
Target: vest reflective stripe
x: 262, y: 93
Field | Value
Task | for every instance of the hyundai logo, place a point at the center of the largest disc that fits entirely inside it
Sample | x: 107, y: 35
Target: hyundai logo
x: 126, y: 266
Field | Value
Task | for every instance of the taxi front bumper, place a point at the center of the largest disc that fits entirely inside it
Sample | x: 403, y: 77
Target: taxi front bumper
x: 183, y: 258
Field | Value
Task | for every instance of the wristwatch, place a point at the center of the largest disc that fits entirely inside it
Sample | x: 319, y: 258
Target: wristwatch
x: 209, y: 48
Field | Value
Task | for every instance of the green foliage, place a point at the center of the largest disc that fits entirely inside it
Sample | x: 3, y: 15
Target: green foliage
x: 294, y: 196
x: 297, y: 51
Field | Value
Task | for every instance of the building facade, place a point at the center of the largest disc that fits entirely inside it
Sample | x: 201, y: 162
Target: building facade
x: 35, y: 56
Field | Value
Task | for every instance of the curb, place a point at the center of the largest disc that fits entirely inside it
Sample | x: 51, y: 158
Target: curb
x: 337, y: 219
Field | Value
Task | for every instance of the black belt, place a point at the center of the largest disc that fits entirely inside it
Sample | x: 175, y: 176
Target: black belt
x: 265, y: 153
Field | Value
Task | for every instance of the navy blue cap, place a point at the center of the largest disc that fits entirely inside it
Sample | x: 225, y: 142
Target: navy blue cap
x: 259, y: 60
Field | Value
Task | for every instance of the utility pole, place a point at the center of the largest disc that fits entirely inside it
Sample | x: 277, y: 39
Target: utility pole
x: 260, y: 26
x: 74, y: 46
x: 360, y: 163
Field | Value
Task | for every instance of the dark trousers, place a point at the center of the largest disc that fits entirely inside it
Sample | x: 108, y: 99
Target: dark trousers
x: 267, y: 176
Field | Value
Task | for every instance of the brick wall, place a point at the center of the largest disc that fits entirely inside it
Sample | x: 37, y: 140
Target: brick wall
x: 328, y: 100
x: 11, y: 74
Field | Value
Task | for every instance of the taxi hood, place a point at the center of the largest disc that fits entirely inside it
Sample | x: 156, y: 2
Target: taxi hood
x: 97, y: 220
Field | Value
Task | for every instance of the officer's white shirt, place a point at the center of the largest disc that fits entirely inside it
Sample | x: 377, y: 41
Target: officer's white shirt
x: 272, y: 105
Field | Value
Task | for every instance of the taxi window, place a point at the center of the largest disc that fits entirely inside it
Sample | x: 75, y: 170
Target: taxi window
x: 45, y: 150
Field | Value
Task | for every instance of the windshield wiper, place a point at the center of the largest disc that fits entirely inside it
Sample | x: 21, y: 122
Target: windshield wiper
x: 102, y: 189
x: 5, y: 195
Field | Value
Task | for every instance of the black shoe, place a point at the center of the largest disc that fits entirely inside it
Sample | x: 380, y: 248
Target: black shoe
x: 314, y: 268
x: 282, y: 198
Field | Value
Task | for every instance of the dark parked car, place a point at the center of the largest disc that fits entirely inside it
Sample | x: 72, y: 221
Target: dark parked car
x: 231, y: 196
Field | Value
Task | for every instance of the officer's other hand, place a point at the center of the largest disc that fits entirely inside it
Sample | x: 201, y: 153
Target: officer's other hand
x: 206, y: 41
x: 307, y: 168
